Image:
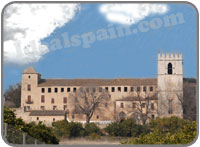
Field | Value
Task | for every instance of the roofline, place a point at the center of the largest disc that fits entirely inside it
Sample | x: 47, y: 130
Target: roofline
x: 97, y: 78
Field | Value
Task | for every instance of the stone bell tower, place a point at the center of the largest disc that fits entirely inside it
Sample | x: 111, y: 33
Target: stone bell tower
x: 29, y: 87
x: 170, y: 84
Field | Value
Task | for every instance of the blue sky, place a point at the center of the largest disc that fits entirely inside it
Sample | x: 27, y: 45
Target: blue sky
x: 133, y: 56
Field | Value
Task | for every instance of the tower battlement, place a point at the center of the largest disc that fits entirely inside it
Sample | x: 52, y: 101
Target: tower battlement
x: 170, y: 56
x: 170, y: 83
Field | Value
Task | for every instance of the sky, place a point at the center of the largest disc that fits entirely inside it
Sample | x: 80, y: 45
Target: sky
x: 94, y: 40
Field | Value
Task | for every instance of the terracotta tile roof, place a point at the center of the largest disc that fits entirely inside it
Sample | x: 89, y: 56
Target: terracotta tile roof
x: 137, y: 99
x: 96, y: 82
x: 47, y: 113
x: 30, y: 70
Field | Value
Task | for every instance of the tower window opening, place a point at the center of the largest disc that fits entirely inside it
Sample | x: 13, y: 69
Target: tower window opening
x: 170, y: 69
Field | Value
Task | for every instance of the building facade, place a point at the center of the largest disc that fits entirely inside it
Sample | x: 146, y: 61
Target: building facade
x: 49, y: 100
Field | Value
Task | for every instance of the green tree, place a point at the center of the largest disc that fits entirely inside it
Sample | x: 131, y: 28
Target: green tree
x: 162, y: 133
x: 41, y: 132
x: 16, y: 127
x: 168, y: 124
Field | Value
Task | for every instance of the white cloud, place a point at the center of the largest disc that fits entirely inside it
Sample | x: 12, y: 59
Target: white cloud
x: 26, y: 24
x: 130, y: 13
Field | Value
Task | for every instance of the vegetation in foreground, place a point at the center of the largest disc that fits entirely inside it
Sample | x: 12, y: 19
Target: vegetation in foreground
x: 16, y: 128
x: 171, y: 130
x: 167, y: 131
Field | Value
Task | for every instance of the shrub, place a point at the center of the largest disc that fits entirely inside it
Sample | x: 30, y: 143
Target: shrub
x: 126, y: 128
x: 187, y: 134
x: 60, y: 128
x: 68, y: 129
x: 165, y: 125
x: 92, y: 128
x: 183, y: 134
x: 75, y: 129
x: 113, y: 129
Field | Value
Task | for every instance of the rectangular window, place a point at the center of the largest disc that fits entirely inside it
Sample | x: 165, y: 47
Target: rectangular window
x: 119, y: 89
x: 73, y: 116
x: 52, y: 100
x: 94, y: 90
x: 28, y: 87
x: 122, y: 105
x: 125, y: 89
x: 132, y: 89
x: 134, y: 105
x: 152, y: 106
x: 113, y: 89
x: 29, y: 98
x: 151, y: 88
x: 97, y: 116
x: 42, y: 107
x: 55, y: 90
x: 62, y: 89
x: 152, y: 116
x: 74, y: 89
x: 81, y: 89
x: 42, y: 98
x: 64, y: 100
x: 54, y: 119
x: 106, y: 89
x: 100, y: 89
x: 37, y: 118
x: 138, y: 89
x: 65, y: 107
x: 144, y: 88
x: 43, y: 90
x: 29, y: 101
x: 54, y: 107
x: 87, y: 89
x: 49, y: 90
x: 68, y: 89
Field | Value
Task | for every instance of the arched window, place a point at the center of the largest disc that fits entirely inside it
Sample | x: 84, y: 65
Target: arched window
x: 169, y: 68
